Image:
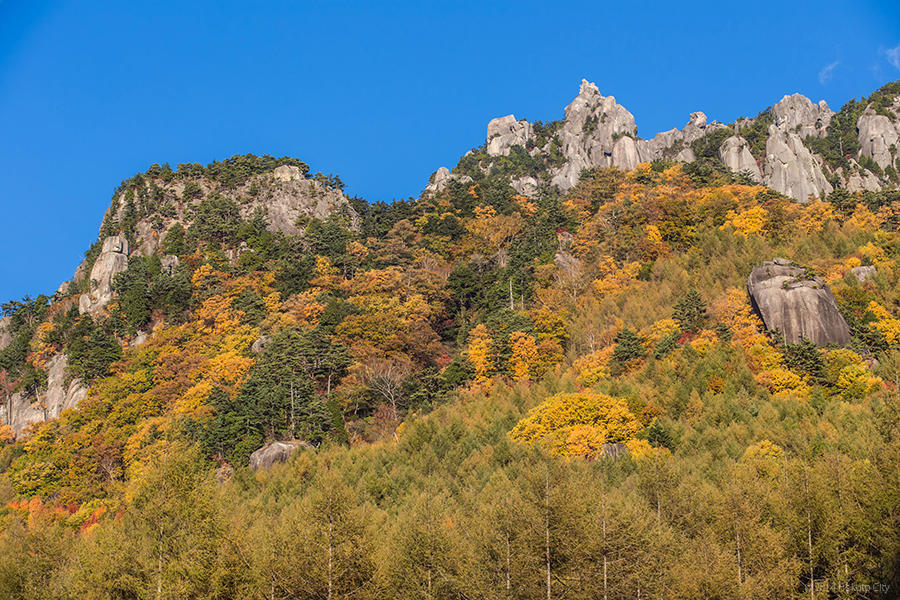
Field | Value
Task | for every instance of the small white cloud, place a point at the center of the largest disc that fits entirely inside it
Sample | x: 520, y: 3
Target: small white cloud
x: 827, y: 71
x: 893, y: 56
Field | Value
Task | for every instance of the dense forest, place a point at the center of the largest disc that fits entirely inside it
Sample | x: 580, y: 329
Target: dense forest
x: 565, y: 396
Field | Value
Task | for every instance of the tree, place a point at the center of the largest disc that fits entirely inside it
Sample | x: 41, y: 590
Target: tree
x: 577, y: 424
x: 690, y: 311
x: 629, y: 348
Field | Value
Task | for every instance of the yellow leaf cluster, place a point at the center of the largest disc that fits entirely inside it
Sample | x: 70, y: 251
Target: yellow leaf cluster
x: 480, y: 353
x: 783, y: 382
x: 524, y: 355
x: 613, y: 279
x: 593, y: 367
x: 577, y: 424
x: 886, y: 323
x: 765, y: 457
x: 865, y: 219
x: 751, y: 221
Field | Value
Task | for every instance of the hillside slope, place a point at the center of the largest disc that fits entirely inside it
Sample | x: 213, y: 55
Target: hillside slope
x: 500, y: 395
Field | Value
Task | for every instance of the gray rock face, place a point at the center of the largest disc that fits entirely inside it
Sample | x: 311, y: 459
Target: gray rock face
x: 735, y: 153
x: 878, y: 137
x: 598, y: 132
x: 260, y: 344
x: 275, y: 452
x: 860, y: 179
x: 797, y: 114
x: 593, y: 125
x: 288, y: 195
x: 169, y: 264
x: 864, y: 273
x: 505, y: 132
x: 283, y: 196
x: 527, y: 186
x: 5, y: 337
x: 792, y: 169
x: 796, y: 305
x: 48, y: 405
x: 442, y: 178
x: 113, y: 260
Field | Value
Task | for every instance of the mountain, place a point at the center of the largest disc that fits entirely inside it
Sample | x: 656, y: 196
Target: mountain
x: 578, y: 352
x: 795, y: 147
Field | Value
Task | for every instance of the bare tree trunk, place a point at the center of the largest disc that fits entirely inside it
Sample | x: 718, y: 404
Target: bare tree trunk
x: 603, y: 511
x: 512, y: 306
x: 547, y: 524
x: 737, y: 540
x: 293, y: 430
x: 330, y: 561
x: 812, y: 587
x: 508, y: 577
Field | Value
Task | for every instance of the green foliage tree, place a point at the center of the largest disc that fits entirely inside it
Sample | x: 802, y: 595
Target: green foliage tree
x: 690, y: 311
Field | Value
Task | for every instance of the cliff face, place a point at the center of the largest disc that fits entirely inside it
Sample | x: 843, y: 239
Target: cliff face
x: 20, y: 410
x: 598, y: 132
x: 285, y: 197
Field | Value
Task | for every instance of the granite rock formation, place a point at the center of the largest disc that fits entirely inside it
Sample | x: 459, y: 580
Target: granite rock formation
x: 797, y: 304
x: 275, y: 452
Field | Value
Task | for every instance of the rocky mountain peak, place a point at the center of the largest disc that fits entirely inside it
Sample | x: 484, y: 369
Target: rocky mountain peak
x: 798, y: 114
x: 505, y: 132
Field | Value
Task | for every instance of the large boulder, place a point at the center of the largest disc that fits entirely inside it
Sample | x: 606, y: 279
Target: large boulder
x: 113, y: 260
x: 798, y: 305
x: 275, y: 452
x: 864, y: 273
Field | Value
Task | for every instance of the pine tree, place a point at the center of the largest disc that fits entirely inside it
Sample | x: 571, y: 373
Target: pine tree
x: 690, y: 311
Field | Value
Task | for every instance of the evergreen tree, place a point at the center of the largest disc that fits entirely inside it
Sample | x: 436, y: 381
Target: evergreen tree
x: 690, y: 311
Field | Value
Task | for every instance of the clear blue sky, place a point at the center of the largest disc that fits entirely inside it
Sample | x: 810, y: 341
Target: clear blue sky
x: 381, y: 93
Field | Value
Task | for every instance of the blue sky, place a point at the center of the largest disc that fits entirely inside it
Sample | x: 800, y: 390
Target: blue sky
x: 381, y: 93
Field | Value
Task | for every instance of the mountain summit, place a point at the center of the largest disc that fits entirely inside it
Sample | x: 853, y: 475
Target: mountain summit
x: 798, y: 148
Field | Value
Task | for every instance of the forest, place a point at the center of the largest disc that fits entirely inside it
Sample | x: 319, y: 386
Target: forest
x: 567, y: 396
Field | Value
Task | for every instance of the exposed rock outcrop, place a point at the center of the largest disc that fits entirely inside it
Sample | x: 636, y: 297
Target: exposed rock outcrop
x: 285, y: 196
x: 878, y: 138
x: 59, y: 396
x: 796, y: 113
x: 441, y: 178
x: 599, y: 132
x: 5, y: 337
x: 275, y: 452
x: 792, y: 169
x: 796, y: 304
x: 527, y: 186
x: 594, y: 124
x: 860, y: 179
x: 169, y: 264
x: 864, y: 273
x: 735, y: 153
x: 113, y: 259
x: 505, y: 132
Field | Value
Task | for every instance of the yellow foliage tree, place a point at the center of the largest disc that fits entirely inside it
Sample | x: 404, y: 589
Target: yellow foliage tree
x: 480, y: 353
x: 886, y: 323
x: 577, y: 424
x: 751, y: 221
x: 524, y: 355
